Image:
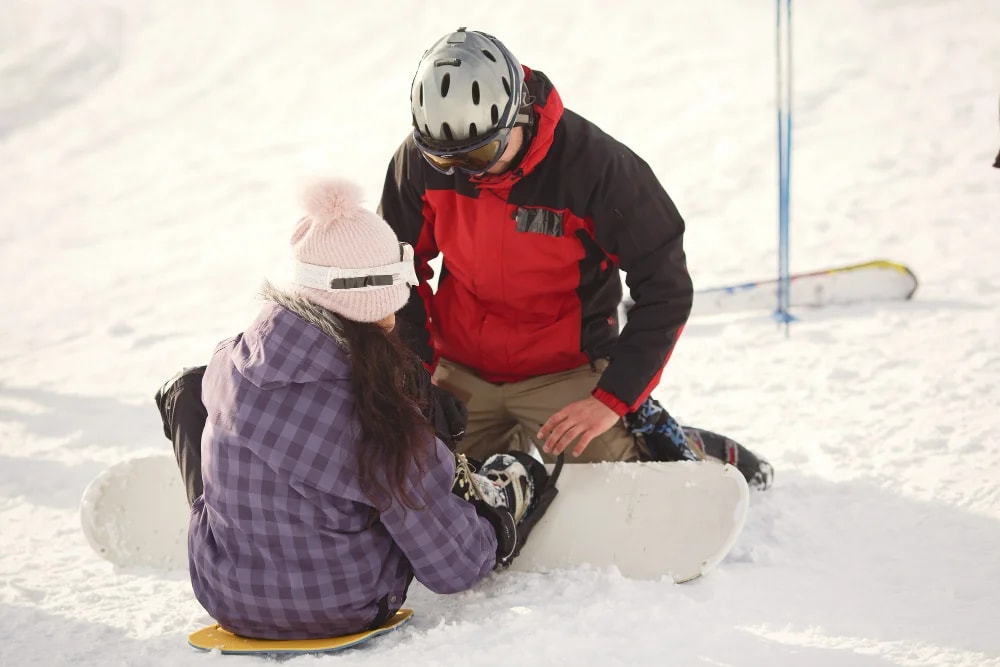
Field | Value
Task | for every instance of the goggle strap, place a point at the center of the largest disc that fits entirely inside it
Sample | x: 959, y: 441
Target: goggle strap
x: 362, y: 281
x: 335, y: 279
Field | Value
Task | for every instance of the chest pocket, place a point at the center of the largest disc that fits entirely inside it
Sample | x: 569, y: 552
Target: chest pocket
x: 539, y: 221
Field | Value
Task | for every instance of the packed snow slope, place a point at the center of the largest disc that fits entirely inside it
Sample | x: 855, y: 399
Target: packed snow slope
x: 150, y: 159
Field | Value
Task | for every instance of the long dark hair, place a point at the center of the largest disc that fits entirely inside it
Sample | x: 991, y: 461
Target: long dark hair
x: 395, y: 434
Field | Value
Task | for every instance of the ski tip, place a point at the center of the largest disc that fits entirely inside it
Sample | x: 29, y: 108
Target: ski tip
x: 902, y: 268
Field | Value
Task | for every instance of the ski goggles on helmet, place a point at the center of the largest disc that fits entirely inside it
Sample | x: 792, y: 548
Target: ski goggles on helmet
x: 470, y: 158
x: 334, y: 279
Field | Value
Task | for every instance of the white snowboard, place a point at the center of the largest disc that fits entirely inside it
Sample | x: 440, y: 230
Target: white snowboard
x: 136, y: 513
x: 647, y: 519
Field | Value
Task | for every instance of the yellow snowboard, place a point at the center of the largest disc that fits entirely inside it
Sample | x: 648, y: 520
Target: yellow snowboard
x: 215, y: 638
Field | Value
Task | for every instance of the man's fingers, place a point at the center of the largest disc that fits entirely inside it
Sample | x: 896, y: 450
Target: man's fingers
x: 551, y: 423
x: 565, y: 438
x: 585, y: 439
x: 554, y: 446
x: 586, y: 420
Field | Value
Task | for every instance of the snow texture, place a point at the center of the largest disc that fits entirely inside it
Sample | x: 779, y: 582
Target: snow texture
x: 152, y: 154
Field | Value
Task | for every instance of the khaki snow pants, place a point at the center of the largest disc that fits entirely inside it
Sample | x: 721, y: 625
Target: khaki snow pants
x: 507, y: 416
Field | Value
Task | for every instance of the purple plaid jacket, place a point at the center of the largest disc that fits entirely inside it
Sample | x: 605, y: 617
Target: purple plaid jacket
x: 284, y: 543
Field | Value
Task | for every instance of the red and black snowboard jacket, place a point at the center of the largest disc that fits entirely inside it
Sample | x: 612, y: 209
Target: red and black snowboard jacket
x: 529, y: 282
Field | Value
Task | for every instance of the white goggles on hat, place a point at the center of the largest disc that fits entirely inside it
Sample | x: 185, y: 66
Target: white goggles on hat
x: 333, y: 279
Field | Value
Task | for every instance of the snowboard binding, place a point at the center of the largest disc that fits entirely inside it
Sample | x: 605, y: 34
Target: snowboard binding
x: 474, y: 479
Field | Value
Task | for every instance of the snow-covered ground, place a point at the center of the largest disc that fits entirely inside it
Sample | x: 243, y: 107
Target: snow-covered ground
x: 150, y: 157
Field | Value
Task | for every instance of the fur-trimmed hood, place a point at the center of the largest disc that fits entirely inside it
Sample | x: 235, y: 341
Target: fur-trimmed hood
x: 292, y: 341
x: 319, y: 317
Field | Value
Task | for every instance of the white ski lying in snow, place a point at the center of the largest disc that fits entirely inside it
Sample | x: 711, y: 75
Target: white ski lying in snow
x: 879, y: 280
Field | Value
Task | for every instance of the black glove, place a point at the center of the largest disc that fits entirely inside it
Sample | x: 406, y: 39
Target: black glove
x: 446, y: 413
x: 503, y: 524
x: 450, y: 416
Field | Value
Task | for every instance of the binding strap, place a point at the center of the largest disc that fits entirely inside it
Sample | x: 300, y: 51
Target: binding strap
x: 542, y: 501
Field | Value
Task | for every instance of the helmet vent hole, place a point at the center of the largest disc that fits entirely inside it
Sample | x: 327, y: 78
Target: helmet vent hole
x: 506, y: 85
x: 427, y: 131
x: 472, y: 131
x: 489, y: 55
x: 495, y: 115
x: 475, y: 92
x: 445, y: 84
x: 446, y: 131
x: 421, y: 95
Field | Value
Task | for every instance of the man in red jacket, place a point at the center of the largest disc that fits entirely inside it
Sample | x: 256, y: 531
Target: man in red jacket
x: 534, y: 210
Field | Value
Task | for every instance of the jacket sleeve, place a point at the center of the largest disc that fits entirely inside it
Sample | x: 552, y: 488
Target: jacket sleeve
x: 636, y: 222
x: 405, y: 208
x: 449, y: 545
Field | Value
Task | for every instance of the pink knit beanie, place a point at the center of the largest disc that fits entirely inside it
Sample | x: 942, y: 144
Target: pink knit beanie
x: 337, y: 234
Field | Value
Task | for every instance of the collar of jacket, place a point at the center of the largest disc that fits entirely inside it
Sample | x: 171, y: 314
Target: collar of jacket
x: 320, y: 318
x: 548, y: 108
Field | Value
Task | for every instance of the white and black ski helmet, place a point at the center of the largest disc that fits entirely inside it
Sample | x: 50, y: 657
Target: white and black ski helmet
x: 467, y: 86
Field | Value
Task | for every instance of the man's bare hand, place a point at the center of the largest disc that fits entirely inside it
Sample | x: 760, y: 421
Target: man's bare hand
x: 584, y: 419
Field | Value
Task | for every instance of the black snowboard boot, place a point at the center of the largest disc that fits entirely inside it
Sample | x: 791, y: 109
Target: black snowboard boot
x: 658, y: 435
x: 757, y: 471
x: 184, y: 417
